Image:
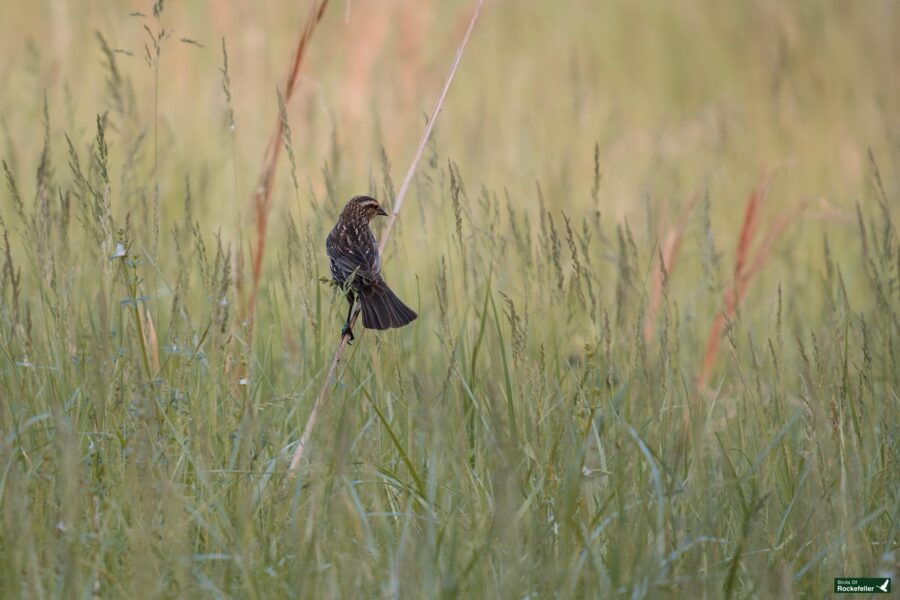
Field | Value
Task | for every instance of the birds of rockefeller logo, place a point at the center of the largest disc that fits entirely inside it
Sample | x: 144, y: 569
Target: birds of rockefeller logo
x: 862, y: 585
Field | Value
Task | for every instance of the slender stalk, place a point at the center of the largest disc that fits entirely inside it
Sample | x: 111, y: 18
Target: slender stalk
x: 398, y: 203
x: 156, y: 120
x: 140, y: 330
x: 262, y: 197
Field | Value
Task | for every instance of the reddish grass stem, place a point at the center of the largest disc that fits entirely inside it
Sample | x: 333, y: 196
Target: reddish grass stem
x: 262, y: 196
x: 746, y: 265
x: 398, y: 203
x: 665, y: 262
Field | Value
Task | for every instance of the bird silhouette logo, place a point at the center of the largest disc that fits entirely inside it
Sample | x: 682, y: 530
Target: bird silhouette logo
x: 884, y: 586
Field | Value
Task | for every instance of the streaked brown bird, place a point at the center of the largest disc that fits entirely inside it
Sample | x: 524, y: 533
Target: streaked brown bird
x: 356, y: 268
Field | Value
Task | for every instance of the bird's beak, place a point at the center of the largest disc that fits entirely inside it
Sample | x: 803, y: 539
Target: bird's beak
x: 380, y: 211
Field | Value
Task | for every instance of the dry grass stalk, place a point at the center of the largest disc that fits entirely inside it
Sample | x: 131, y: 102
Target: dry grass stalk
x: 150, y: 339
x: 263, y: 192
x: 661, y: 271
x: 398, y: 203
x: 746, y: 265
x: 734, y: 294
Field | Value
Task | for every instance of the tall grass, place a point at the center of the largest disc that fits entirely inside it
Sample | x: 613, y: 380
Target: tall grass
x: 538, y: 431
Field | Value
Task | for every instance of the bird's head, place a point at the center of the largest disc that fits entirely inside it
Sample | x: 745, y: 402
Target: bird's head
x: 363, y: 207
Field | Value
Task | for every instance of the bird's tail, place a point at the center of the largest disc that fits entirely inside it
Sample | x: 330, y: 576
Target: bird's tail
x: 382, y: 309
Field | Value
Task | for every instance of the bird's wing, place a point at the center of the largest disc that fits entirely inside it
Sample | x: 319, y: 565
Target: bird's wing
x: 359, y: 259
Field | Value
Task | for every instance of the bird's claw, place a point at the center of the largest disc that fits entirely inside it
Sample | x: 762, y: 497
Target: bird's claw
x: 347, y: 331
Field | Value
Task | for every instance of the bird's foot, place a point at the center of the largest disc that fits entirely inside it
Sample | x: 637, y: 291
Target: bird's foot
x: 347, y: 331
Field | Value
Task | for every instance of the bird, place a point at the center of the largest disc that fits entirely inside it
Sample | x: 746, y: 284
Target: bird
x: 356, y: 268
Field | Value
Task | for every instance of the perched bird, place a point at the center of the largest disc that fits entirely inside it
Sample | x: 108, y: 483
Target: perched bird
x: 356, y: 268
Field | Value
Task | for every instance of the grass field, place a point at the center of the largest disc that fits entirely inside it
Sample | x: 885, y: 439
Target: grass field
x: 653, y: 251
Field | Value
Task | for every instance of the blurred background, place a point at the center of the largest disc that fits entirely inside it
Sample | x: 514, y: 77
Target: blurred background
x: 565, y: 418
x: 681, y: 97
